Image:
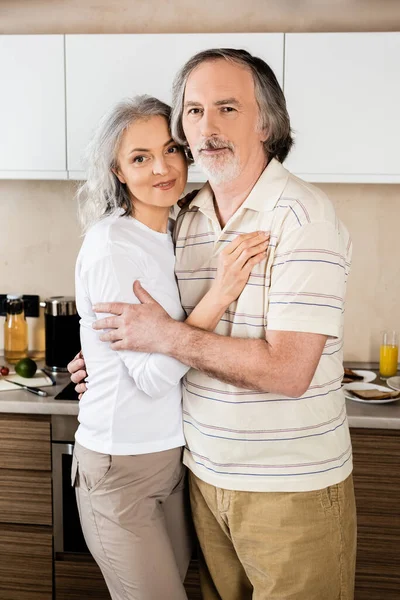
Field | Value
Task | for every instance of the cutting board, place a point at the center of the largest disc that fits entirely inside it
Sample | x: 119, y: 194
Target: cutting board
x: 40, y: 379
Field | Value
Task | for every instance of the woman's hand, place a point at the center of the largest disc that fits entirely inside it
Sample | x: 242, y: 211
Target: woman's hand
x: 235, y: 263
x: 78, y: 373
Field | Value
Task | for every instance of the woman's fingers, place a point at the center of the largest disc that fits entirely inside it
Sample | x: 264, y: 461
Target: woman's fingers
x: 246, y: 270
x: 244, y: 240
x: 242, y: 255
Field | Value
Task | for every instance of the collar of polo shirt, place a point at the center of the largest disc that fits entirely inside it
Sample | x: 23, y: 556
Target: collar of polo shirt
x: 264, y: 195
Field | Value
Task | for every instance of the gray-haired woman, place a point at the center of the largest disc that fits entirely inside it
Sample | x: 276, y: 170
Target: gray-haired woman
x: 127, y: 466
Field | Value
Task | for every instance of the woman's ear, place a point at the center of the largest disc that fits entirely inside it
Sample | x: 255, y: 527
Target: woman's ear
x: 118, y: 174
x: 264, y: 135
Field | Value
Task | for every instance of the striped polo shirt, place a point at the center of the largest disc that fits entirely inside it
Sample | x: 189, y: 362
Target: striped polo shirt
x: 249, y: 440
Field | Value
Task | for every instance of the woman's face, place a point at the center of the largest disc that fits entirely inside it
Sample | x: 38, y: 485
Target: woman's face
x: 151, y: 164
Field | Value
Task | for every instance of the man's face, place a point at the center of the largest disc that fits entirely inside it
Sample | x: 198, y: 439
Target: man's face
x: 221, y: 120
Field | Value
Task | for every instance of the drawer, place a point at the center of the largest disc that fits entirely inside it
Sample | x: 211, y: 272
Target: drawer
x: 25, y: 442
x: 25, y: 497
x: 25, y: 562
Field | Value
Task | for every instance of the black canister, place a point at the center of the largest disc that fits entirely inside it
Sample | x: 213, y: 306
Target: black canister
x: 61, y: 332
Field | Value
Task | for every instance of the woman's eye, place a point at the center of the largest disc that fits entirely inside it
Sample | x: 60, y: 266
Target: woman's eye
x: 173, y: 149
x: 139, y: 159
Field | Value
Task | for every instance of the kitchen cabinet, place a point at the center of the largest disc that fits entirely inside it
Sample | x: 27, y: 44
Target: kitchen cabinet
x: 376, y: 483
x: 25, y: 562
x: 32, y: 107
x: 26, y: 535
x: 102, y: 69
x: 343, y: 96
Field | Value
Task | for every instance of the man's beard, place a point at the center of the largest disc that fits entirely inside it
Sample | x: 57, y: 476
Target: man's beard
x: 220, y: 168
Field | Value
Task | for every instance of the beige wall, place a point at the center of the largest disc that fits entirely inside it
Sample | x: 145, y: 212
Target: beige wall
x: 192, y: 16
x: 39, y: 236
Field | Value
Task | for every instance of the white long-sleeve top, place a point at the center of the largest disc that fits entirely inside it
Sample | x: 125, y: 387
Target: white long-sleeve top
x: 133, y: 401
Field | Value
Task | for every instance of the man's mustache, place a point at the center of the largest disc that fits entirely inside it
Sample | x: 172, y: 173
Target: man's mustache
x: 215, y: 143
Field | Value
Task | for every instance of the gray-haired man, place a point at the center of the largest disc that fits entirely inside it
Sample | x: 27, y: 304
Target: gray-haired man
x: 268, y: 443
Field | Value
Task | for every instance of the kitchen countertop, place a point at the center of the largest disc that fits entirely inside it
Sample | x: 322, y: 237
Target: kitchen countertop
x: 21, y: 401
x: 375, y: 416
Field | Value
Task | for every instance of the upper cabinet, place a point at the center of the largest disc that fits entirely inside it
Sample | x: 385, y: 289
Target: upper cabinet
x: 102, y: 69
x: 343, y: 97
x: 32, y: 107
x: 342, y: 91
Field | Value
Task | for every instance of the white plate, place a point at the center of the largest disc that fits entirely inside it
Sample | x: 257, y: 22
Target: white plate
x: 366, y: 375
x: 394, y: 382
x: 360, y: 385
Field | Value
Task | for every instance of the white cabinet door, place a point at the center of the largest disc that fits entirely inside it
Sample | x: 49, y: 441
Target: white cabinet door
x: 32, y: 107
x: 102, y: 69
x: 343, y: 95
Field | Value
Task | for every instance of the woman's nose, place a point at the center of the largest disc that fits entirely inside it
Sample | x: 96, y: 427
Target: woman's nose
x: 160, y: 166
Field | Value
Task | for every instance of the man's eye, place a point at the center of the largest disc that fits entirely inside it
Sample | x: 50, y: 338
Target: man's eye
x: 227, y: 109
x: 139, y: 159
x: 194, y: 111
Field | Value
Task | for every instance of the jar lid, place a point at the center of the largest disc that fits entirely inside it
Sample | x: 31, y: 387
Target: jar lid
x: 60, y: 305
x: 15, y: 296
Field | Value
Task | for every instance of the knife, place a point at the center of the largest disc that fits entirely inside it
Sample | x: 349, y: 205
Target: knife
x: 28, y: 388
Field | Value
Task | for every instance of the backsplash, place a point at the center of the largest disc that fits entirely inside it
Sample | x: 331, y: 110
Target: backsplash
x: 40, y: 239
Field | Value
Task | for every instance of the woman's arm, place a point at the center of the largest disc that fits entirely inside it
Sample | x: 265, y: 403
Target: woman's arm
x: 235, y: 263
x: 156, y: 374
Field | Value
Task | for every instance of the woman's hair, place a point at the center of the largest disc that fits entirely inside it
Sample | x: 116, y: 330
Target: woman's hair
x: 271, y: 102
x: 103, y: 193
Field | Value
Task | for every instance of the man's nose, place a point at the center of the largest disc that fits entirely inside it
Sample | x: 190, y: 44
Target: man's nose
x: 160, y: 166
x: 208, y: 125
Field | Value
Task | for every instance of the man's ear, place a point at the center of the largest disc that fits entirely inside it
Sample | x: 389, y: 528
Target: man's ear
x: 118, y: 174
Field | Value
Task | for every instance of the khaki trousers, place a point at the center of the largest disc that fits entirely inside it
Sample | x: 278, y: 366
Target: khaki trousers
x: 275, y: 546
x: 135, y: 521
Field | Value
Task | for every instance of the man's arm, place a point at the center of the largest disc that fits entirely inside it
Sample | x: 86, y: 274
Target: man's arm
x: 283, y: 363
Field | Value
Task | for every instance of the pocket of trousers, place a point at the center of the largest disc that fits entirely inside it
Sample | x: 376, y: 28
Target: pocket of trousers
x: 330, y: 497
x: 92, y: 469
x: 74, y: 470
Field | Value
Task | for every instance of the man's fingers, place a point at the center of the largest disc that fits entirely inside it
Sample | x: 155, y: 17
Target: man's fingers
x: 115, y: 308
x: 110, y: 336
x: 75, y: 365
x: 141, y: 294
x: 78, y: 376
x: 80, y: 388
x: 107, y: 323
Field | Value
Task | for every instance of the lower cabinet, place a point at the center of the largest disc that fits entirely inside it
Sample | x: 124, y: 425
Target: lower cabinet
x: 27, y: 568
x: 377, y: 487
x: 26, y: 562
x: 77, y: 577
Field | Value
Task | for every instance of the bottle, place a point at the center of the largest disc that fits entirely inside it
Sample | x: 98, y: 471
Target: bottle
x: 15, y: 329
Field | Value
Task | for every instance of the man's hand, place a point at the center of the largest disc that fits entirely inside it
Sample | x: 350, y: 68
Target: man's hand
x: 78, y: 374
x: 139, y: 327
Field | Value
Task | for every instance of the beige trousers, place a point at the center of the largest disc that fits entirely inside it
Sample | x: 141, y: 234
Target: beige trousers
x: 275, y: 546
x: 135, y: 521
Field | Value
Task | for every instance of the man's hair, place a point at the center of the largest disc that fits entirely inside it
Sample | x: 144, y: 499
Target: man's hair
x: 271, y: 102
x: 103, y: 193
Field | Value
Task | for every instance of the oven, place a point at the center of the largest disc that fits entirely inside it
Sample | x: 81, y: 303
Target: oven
x: 68, y: 536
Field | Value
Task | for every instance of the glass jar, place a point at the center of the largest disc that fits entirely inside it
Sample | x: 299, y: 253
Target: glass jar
x: 15, y: 329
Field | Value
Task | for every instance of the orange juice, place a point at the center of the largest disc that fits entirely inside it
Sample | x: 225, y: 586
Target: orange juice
x: 388, y: 360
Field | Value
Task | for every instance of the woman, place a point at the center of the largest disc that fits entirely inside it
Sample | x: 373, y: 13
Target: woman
x: 127, y: 466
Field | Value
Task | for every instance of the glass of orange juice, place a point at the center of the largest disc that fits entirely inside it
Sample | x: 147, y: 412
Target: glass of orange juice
x: 389, y: 354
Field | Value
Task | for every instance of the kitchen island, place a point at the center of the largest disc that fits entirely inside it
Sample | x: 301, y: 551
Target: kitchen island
x: 28, y: 424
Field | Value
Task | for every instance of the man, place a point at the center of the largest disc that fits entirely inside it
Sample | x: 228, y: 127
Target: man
x: 268, y: 443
